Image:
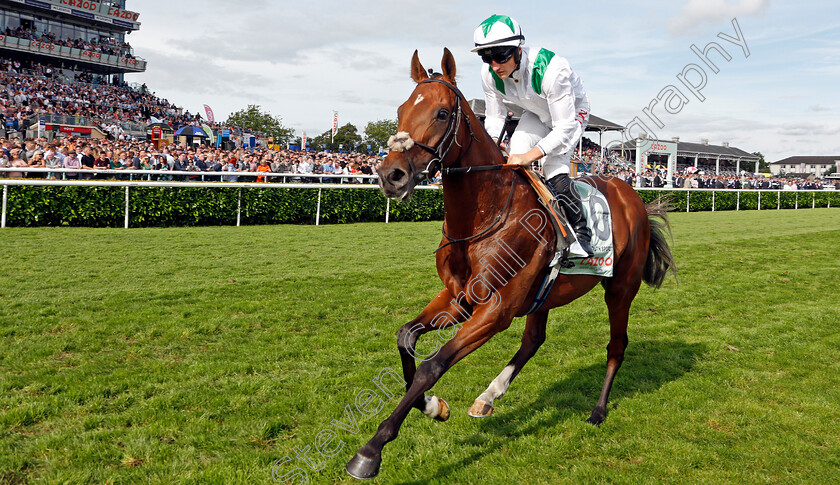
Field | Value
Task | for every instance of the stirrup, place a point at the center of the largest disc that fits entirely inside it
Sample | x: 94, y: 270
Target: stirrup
x: 561, y: 259
x: 577, y: 251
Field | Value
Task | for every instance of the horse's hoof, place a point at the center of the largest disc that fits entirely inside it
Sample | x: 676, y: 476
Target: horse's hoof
x: 480, y: 409
x: 597, y: 417
x: 363, y: 468
x: 443, y: 410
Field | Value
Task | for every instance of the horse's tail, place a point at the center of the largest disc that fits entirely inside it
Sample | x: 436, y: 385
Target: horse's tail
x: 659, y: 259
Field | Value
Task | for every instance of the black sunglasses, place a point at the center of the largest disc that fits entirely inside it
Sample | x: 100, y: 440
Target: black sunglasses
x: 500, y: 55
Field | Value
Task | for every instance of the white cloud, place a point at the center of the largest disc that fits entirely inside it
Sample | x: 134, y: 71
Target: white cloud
x: 696, y: 13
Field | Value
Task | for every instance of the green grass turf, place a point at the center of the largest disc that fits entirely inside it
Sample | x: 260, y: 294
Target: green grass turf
x: 202, y: 355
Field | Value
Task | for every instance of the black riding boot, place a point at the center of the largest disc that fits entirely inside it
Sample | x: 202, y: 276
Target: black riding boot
x: 573, y: 206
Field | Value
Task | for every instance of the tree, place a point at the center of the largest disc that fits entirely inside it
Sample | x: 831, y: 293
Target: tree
x: 378, y: 132
x: 321, y: 142
x: 347, y: 137
x: 763, y: 166
x: 255, y: 120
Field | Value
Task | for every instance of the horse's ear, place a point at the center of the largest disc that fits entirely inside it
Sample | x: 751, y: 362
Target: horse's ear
x: 447, y: 64
x: 418, y: 72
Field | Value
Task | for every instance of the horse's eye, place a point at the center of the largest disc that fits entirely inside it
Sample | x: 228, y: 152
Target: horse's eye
x: 443, y: 115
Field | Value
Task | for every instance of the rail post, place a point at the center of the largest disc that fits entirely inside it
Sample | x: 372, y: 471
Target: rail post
x: 713, y: 200
x: 387, y: 209
x: 687, y: 200
x: 239, y: 208
x: 738, y: 201
x: 5, y: 195
x: 318, y: 210
x: 126, y: 206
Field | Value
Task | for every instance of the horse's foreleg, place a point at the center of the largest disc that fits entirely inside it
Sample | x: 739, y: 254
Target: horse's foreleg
x: 472, y: 335
x: 532, y: 338
x: 442, y: 312
x: 618, y: 298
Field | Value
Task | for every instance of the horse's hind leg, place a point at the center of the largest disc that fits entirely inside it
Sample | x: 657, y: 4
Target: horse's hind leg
x: 618, y: 297
x: 442, y: 312
x: 532, y: 338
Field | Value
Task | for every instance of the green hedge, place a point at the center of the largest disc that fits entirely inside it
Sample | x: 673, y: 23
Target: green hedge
x: 30, y: 206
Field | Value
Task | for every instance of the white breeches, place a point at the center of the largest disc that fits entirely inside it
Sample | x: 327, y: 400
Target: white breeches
x: 529, y: 132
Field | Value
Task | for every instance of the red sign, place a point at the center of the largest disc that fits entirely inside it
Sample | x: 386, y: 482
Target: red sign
x: 123, y: 14
x: 210, y: 117
x: 156, y: 133
x: 43, y: 45
x: 74, y: 129
x: 133, y: 62
x: 93, y: 55
x: 83, y: 4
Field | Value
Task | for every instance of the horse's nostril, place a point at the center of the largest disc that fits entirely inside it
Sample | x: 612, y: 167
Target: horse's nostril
x: 396, y: 175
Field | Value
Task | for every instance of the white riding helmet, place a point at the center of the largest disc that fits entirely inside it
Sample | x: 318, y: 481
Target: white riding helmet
x: 498, y: 30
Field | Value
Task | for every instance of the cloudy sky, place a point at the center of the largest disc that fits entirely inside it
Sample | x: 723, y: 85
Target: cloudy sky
x: 302, y: 60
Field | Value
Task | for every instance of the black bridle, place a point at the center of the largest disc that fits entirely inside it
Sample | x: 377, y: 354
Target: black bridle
x: 450, y: 137
x: 442, y: 150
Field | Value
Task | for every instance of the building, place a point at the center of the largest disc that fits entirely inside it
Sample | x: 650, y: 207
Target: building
x: 720, y: 159
x: 68, y: 41
x: 805, y: 166
x: 71, y: 35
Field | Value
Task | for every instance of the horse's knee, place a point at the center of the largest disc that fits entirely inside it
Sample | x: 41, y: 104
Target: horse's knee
x: 407, y: 335
x: 616, y: 348
x: 428, y: 373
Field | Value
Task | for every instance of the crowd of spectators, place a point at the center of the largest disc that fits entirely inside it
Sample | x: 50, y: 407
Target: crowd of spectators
x: 32, y: 88
x: 686, y: 180
x: 105, y: 159
x: 102, y: 45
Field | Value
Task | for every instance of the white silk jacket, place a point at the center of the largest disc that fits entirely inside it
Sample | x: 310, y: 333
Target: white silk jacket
x: 546, y: 86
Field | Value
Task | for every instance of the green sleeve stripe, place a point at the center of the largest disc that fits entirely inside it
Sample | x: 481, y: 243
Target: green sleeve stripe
x: 543, y: 58
x: 500, y: 85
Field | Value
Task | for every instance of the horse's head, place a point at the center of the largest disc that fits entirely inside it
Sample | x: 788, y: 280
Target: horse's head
x: 428, y: 125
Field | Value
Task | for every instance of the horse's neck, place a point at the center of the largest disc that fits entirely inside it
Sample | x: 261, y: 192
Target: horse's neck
x: 472, y: 200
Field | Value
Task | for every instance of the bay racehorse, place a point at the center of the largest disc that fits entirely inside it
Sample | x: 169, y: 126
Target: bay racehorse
x: 492, y: 260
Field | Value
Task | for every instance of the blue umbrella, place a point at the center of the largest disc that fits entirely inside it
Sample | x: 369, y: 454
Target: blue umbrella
x: 190, y: 130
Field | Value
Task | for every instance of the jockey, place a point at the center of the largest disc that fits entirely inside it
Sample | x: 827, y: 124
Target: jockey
x: 556, y: 110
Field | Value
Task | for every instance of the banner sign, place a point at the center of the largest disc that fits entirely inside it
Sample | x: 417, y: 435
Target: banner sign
x: 335, y: 123
x: 303, y: 142
x: 74, y: 129
x: 209, y: 112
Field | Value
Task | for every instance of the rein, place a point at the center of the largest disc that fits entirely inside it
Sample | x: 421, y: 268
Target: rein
x: 439, y: 153
x: 493, y: 224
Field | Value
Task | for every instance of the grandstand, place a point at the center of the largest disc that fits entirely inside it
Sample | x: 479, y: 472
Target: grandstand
x: 46, y: 45
x: 712, y: 159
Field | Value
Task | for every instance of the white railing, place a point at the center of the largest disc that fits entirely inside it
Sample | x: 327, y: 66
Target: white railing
x: 779, y: 193
x: 214, y: 184
x: 137, y: 175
